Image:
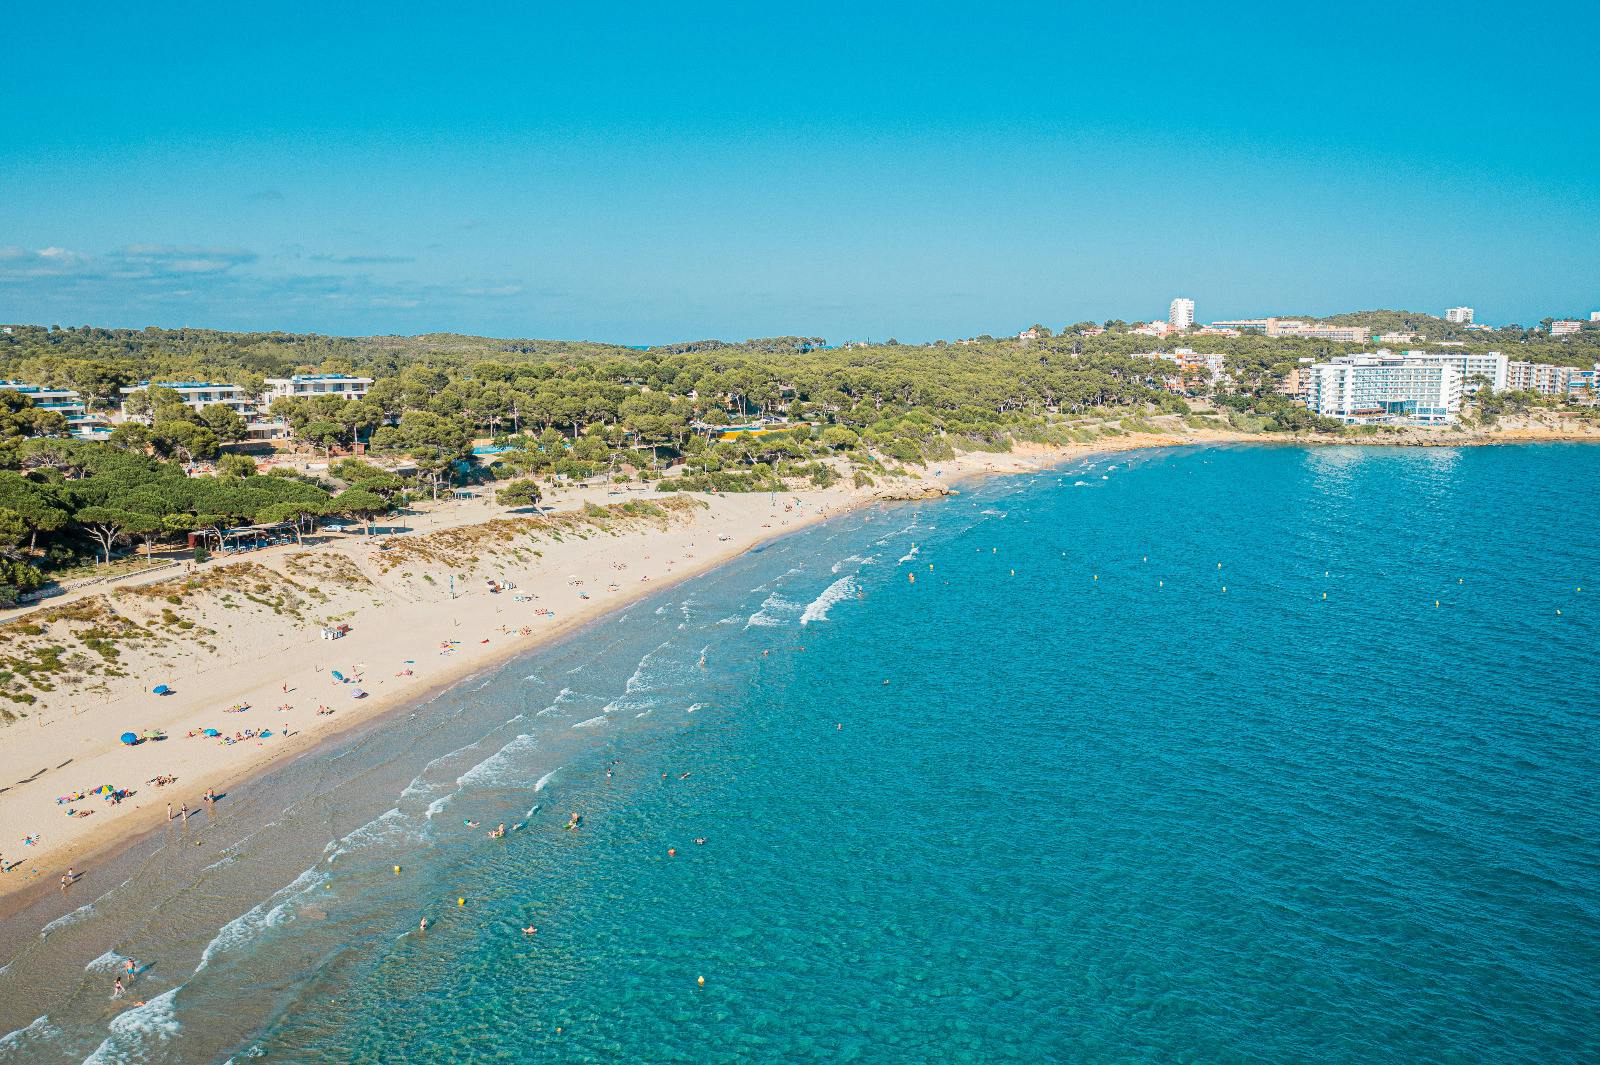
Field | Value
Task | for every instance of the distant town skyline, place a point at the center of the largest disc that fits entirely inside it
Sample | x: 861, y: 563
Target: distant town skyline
x: 694, y: 172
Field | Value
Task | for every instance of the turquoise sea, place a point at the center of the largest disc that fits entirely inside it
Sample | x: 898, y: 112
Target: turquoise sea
x: 1210, y: 755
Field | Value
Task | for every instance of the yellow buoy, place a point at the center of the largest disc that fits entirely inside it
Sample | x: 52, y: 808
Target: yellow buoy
x: 1146, y: 558
x: 1097, y: 576
x: 1161, y: 584
x: 1013, y: 573
x: 1324, y: 595
x: 1224, y: 587
x: 1436, y: 603
x: 1219, y: 565
x: 461, y: 902
x: 700, y: 980
x: 397, y: 870
x: 930, y: 565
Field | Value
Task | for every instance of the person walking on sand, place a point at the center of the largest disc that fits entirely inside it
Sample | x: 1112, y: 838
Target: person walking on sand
x: 183, y: 812
x: 116, y: 988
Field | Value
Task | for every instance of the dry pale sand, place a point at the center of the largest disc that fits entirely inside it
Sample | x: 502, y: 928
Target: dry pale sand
x: 408, y: 638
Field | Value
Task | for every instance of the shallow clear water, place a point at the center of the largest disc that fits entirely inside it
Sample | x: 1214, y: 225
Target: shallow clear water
x: 1062, y: 798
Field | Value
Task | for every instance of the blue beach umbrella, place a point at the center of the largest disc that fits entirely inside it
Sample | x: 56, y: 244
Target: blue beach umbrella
x: 129, y: 738
x: 161, y: 689
x: 211, y: 732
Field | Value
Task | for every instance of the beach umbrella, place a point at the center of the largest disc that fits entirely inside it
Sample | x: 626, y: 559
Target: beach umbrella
x: 211, y: 732
x: 161, y: 689
x: 358, y: 694
x: 337, y: 675
x: 129, y: 738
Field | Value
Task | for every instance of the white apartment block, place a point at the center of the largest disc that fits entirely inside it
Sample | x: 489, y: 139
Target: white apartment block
x: 197, y: 394
x: 1488, y: 369
x: 1181, y: 313
x: 1459, y: 315
x: 1564, y: 328
x: 65, y: 402
x: 306, y: 386
x: 1382, y: 388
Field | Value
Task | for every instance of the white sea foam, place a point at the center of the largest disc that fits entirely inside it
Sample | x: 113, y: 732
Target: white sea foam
x: 262, y: 916
x: 593, y: 722
x: 492, y: 770
x: 539, y: 784
x: 437, y: 806
x: 908, y: 556
x: 992, y: 512
x: 67, y: 919
x: 383, y: 827
x: 773, y: 612
x: 40, y: 1031
x: 109, y: 962
x: 836, y: 592
x: 646, y: 712
x: 695, y: 706
x: 843, y: 562
x: 138, y: 1033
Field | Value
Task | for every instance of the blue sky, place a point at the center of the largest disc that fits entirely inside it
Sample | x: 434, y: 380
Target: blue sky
x: 653, y: 172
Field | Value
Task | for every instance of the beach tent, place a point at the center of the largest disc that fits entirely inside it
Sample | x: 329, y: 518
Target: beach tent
x: 161, y: 689
x: 129, y: 738
x: 358, y: 694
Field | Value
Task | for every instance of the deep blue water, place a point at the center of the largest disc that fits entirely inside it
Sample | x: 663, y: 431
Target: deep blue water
x: 1160, y: 758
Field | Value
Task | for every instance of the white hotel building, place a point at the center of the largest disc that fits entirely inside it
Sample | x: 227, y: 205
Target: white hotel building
x: 1382, y: 388
x: 307, y: 386
x: 1490, y: 369
x: 198, y: 395
x: 65, y: 402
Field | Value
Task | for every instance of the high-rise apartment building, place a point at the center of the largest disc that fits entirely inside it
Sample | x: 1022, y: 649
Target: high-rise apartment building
x: 1181, y: 314
x: 1459, y: 315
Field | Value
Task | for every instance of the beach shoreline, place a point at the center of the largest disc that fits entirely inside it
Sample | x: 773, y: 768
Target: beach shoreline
x: 743, y: 519
x: 739, y: 518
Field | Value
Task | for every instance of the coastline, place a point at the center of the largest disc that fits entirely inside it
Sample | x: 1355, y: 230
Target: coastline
x: 408, y: 627
x: 405, y: 632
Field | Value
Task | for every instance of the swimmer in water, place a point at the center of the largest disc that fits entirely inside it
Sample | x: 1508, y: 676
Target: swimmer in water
x: 530, y: 930
x: 700, y: 841
x: 683, y: 776
x: 499, y: 832
x: 422, y: 925
x: 470, y: 824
